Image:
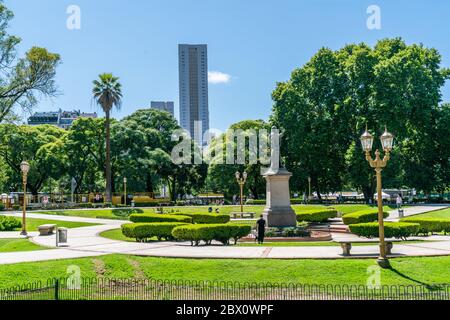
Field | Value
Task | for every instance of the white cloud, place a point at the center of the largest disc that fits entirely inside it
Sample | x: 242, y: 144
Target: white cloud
x: 217, y: 77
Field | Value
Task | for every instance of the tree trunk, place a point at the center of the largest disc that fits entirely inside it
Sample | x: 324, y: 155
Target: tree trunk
x: 108, y: 157
x: 368, y: 192
x: 149, y: 184
x: 316, y: 187
x: 173, y: 192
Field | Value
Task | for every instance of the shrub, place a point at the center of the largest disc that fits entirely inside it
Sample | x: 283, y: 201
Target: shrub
x: 2, y: 207
x: 16, y: 207
x: 148, y: 204
x: 430, y: 225
x: 155, y: 217
x: 143, y: 199
x: 316, y: 216
x: 399, y: 230
x: 208, y: 232
x: 125, y: 212
x: 144, y: 231
x: 299, y: 231
x: 206, y: 218
x: 368, y: 215
x: 85, y: 205
x: 9, y: 223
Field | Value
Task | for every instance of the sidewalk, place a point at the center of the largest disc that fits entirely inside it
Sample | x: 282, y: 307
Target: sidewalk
x: 86, y: 242
x: 412, y: 211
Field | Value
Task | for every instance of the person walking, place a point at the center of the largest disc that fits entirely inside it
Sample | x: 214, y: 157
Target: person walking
x: 261, y: 229
x: 399, y: 201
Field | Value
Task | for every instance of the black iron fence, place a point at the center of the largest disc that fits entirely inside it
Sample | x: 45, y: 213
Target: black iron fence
x: 147, y: 289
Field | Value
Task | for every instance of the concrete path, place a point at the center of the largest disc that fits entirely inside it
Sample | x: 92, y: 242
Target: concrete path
x: 86, y: 242
x: 412, y: 211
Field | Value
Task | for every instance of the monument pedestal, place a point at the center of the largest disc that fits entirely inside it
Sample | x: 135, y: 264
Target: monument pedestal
x: 278, y: 211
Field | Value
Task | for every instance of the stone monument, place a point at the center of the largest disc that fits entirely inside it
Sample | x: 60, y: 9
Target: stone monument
x: 278, y: 211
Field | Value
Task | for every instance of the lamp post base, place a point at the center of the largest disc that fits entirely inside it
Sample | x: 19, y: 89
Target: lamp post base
x: 383, y: 263
x: 24, y: 233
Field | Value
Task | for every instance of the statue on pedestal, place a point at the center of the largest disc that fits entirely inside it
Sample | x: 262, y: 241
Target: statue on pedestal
x: 278, y: 211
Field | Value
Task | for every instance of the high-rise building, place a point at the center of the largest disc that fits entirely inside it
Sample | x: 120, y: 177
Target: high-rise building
x: 193, y: 72
x: 164, y: 106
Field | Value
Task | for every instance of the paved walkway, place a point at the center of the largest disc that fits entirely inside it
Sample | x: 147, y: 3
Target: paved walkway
x: 412, y: 211
x: 86, y: 242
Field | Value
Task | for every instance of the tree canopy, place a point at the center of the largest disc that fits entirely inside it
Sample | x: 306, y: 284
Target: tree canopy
x: 23, y: 79
x: 327, y: 103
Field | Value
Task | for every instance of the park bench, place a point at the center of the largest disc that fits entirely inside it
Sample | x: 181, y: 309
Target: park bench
x: 46, y: 229
x: 242, y: 215
x: 346, y: 245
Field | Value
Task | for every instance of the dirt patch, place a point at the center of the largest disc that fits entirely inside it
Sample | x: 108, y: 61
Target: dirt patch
x: 99, y: 267
x: 138, y: 273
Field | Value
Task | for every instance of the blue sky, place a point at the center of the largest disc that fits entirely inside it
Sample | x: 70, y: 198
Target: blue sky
x: 256, y: 42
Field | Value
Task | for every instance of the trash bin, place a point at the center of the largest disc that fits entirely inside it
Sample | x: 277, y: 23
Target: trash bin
x: 61, y: 236
x: 400, y: 213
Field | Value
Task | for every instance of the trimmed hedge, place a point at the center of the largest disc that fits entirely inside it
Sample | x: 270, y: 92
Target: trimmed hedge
x: 368, y: 215
x: 206, y: 218
x: 144, y: 231
x: 125, y: 212
x: 316, y: 216
x: 9, y: 223
x: 399, y: 230
x: 430, y: 225
x: 155, y: 217
x: 209, y: 232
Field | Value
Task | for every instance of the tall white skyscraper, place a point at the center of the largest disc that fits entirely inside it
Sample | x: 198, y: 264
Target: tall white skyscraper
x: 193, y: 72
x: 164, y: 106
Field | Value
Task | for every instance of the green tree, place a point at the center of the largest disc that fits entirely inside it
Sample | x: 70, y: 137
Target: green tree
x: 142, y: 145
x: 221, y: 176
x: 310, y: 109
x: 41, y: 146
x: 84, y: 147
x: 327, y: 103
x: 107, y: 93
x: 23, y: 79
x: 442, y: 137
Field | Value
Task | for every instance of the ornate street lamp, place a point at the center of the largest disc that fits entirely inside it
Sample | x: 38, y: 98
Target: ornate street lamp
x: 241, y: 182
x: 125, y: 190
x: 25, y: 168
x: 378, y: 164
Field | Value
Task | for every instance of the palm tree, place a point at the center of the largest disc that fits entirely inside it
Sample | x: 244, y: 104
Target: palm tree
x: 107, y: 93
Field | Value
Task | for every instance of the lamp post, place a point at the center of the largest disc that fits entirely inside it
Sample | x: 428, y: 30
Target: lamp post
x: 24, y: 167
x: 378, y: 164
x: 241, y: 182
x: 309, y: 183
x: 125, y: 190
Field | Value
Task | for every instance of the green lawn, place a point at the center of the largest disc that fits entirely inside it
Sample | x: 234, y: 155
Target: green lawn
x: 33, y: 224
x: 430, y: 270
x: 349, y: 208
x: 15, y: 245
x: 116, y: 234
x: 441, y: 214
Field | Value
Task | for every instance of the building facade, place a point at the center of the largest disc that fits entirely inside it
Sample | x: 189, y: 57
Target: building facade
x: 193, y: 76
x: 61, y: 119
x: 164, y: 106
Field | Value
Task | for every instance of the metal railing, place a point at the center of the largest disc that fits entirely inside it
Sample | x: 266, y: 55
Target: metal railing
x: 147, y: 289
